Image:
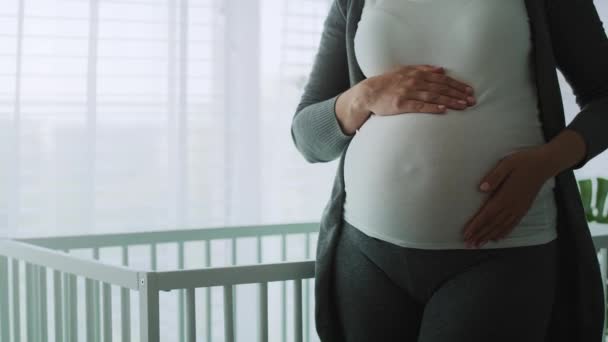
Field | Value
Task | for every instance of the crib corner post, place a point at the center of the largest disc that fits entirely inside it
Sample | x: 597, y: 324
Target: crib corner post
x: 148, y: 307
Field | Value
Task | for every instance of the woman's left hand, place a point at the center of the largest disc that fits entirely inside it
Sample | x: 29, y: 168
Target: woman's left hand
x: 513, y: 183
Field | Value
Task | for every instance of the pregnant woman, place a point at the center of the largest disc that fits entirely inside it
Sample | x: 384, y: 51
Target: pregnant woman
x: 445, y: 206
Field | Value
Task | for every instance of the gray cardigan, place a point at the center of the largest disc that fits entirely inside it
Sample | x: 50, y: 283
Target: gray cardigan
x: 566, y: 34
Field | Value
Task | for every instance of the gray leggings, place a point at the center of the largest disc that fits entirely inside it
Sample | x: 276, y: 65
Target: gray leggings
x: 385, y: 292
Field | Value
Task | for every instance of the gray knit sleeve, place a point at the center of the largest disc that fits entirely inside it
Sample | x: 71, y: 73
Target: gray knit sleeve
x: 315, y: 129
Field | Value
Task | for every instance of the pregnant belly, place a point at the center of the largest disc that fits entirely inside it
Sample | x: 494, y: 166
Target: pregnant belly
x: 420, y: 172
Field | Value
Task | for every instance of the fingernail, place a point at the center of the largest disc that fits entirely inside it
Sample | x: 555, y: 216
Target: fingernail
x: 485, y: 186
x: 469, y: 90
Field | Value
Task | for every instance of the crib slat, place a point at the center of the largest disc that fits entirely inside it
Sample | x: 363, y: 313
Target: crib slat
x: 73, y: 308
x: 67, y: 319
x: 36, y: 301
x: 97, y: 310
x: 190, y: 315
x: 125, y: 313
x: 58, y: 302
x: 228, y: 314
x: 283, y: 292
x: 263, y: 298
x: 307, y: 296
x: 96, y: 302
x: 233, y: 262
x: 4, y: 319
x: 107, y: 312
x: 43, y: 306
x: 263, y: 314
x: 125, y: 302
x: 34, y: 333
x: 16, y: 302
x: 208, y: 292
x: 297, y: 307
x: 90, y: 324
x: 29, y: 303
x: 180, y: 295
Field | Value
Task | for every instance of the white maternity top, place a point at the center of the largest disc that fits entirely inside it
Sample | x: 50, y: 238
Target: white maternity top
x: 412, y: 179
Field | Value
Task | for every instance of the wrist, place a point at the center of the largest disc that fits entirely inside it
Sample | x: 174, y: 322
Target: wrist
x: 358, y: 108
x: 563, y: 151
x: 359, y: 105
x: 351, y: 109
x: 344, y: 112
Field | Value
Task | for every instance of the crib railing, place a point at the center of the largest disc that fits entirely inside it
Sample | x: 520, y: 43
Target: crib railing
x: 40, y: 301
x: 37, y: 274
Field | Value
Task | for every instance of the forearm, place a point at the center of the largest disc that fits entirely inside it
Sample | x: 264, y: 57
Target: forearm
x: 321, y: 130
x: 316, y: 132
x: 563, y: 151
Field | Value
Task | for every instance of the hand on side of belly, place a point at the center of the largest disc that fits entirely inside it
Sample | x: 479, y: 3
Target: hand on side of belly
x: 513, y: 184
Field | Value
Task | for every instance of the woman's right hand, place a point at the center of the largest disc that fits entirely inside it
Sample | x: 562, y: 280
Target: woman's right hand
x: 405, y: 89
x: 415, y: 89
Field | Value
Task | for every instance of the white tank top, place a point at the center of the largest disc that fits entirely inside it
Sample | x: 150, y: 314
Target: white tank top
x: 412, y: 179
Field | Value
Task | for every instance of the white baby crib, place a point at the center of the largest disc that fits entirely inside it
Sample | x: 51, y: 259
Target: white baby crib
x: 40, y: 299
x: 86, y: 288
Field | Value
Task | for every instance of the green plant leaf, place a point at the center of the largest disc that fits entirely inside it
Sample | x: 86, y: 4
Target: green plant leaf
x: 600, y: 195
x: 585, y: 189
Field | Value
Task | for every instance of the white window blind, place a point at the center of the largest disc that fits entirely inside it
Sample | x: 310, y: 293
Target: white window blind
x: 108, y: 108
x: 124, y: 115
